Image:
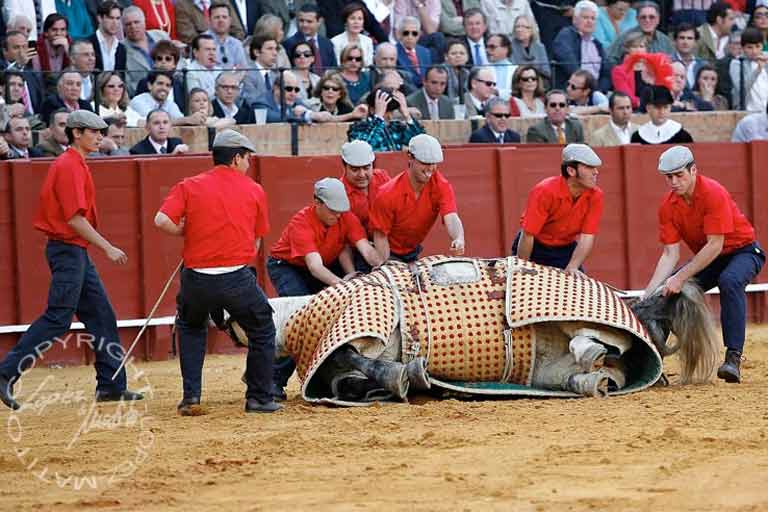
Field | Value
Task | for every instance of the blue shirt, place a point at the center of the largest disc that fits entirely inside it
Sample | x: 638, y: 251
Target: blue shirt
x: 230, y: 49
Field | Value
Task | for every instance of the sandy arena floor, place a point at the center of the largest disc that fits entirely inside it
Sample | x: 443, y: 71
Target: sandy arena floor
x: 693, y: 448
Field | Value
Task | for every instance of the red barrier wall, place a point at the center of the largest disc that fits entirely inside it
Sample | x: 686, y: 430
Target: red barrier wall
x: 491, y: 184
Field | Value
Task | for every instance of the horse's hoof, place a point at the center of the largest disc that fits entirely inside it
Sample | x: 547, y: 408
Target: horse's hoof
x: 593, y: 384
x: 417, y: 374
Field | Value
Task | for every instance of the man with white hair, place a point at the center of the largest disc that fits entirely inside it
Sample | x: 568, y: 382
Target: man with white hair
x: 24, y: 25
x: 385, y: 59
x: 411, y: 56
x: 17, y: 12
x: 138, y: 46
x: 427, y: 13
x: 84, y: 61
x: 293, y: 110
x: 648, y: 19
x: 67, y: 96
x: 575, y: 47
x: 482, y: 87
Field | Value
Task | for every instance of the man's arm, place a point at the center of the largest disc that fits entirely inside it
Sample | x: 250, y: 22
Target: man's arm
x: 583, y: 248
x: 664, y: 267
x: 165, y: 224
x: 456, y: 232
x: 346, y: 261
x: 381, y: 243
x: 319, y: 271
x: 704, y: 257
x: 83, y: 228
x: 525, y: 246
x: 371, y: 255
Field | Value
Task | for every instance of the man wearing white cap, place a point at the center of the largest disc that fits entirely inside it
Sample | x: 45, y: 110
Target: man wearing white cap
x: 222, y: 215
x: 314, y: 251
x: 407, y: 207
x: 562, y: 214
x: 700, y: 212
x: 67, y: 216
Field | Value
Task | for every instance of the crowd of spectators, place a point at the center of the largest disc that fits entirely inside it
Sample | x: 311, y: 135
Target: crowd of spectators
x: 384, y: 65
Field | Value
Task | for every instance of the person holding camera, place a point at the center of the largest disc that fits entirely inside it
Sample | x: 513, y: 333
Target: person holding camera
x: 379, y: 129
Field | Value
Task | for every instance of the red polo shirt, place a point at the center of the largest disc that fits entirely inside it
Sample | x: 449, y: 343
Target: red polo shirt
x: 225, y: 210
x: 305, y: 234
x: 555, y: 218
x: 406, y: 219
x: 712, y: 212
x: 67, y: 190
x: 360, y: 201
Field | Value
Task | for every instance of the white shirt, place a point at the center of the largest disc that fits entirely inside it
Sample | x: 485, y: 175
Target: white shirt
x: 107, y: 54
x: 721, y: 43
x: 624, y: 134
x: 229, y: 113
x: 157, y: 145
x: 242, y: 9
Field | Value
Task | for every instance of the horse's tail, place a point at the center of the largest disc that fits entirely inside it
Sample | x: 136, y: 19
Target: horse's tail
x: 698, y: 343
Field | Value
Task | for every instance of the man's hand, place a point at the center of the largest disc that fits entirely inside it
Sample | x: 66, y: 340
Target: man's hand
x: 321, y: 117
x: 180, y: 149
x: 457, y: 247
x: 115, y: 255
x: 107, y: 146
x: 61, y: 42
x: 4, y: 149
x: 352, y: 275
x: 673, y: 285
x: 299, y: 110
x: 360, y: 111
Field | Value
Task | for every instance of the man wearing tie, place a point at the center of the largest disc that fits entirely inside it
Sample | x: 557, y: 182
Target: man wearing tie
x: 495, y: 130
x: 431, y: 99
x: 308, y: 21
x: 557, y: 127
x: 157, y: 141
x: 411, y: 56
x: 475, y: 26
x: 261, y: 76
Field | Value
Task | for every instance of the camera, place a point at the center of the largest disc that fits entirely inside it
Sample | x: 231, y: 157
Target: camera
x: 392, y: 104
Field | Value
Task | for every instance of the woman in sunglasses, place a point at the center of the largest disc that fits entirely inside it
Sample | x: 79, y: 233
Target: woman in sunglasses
x: 331, y: 96
x: 527, y: 92
x: 302, y: 59
x: 113, y: 99
x: 358, y: 82
x: 353, y: 15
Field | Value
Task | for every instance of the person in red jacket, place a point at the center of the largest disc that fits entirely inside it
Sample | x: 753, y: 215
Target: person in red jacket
x: 222, y: 215
x: 67, y: 216
x: 700, y: 212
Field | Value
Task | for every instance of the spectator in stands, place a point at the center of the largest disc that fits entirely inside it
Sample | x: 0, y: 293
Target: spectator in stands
x: 456, y: 59
x: 202, y: 72
x: 84, y: 62
x: 615, y: 18
x: 289, y: 108
x: 751, y: 72
x: 332, y: 12
x: 475, y: 26
x: 226, y: 104
x: 496, y: 128
x: 683, y: 99
x: 385, y: 59
x: 113, y: 99
x: 660, y: 129
x: 271, y: 26
x: 528, y: 92
x: 482, y: 86
x: 502, y: 15
x: 354, y: 18
x: 499, y: 49
x: 686, y: 42
x: 18, y: 138
x: 157, y: 141
x: 18, y: 57
x: 552, y: 16
x: 759, y: 20
x: 648, y: 18
x: 302, y: 58
x: 557, y: 127
x: 411, y: 56
x: 527, y: 49
x: 378, y: 129
x: 576, y: 48
x: 138, y: 47
x: 619, y: 129
x: 431, y: 100
x: 229, y: 51
x: 13, y: 83
x: 583, y: 96
x: 159, y: 15
x: 53, y: 43
x: 723, y: 67
x: 308, y: 21
x: 752, y: 127
x: 159, y: 84
x: 79, y: 22
x: 357, y: 81
x: 67, y: 96
x: 705, y: 88
x: 331, y: 94
x: 53, y: 141
x: 632, y: 78
x: 113, y: 143
x: 714, y: 33
x: 452, y: 16
x: 262, y: 76
x: 20, y: 17
x: 427, y: 13
x: 192, y: 19
x: 201, y: 105
x: 110, y: 52
x: 165, y: 57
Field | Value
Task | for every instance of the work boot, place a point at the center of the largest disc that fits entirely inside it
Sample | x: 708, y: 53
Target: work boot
x: 117, y: 396
x: 253, y: 405
x: 729, y: 370
x: 6, y: 394
x: 190, y: 407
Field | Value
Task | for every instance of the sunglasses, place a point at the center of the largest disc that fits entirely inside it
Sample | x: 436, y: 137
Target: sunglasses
x: 165, y: 58
x: 290, y: 88
x: 487, y: 82
x: 529, y: 79
x: 500, y: 115
x: 331, y: 88
x: 571, y: 86
x: 558, y: 105
x: 414, y: 33
x: 305, y: 55
x: 355, y: 59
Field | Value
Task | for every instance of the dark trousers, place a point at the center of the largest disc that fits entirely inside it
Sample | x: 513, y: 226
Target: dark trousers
x: 731, y: 273
x: 409, y: 257
x: 238, y: 292
x: 75, y: 289
x: 548, y: 255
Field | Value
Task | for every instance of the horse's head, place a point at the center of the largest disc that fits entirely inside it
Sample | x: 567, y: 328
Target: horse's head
x: 655, y: 312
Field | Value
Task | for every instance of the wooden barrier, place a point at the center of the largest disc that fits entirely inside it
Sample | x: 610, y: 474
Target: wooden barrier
x: 491, y: 182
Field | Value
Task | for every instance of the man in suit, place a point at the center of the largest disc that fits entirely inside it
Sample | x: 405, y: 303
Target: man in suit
x: 17, y: 58
x: 281, y: 9
x: 247, y: 13
x: 18, y: 138
x: 84, y: 61
x: 475, y: 26
x: 226, y: 103
x: 138, y: 44
x: 262, y: 75
x: 56, y: 141
x: 452, y: 16
x: 556, y: 128
x: 686, y: 40
x: 411, y: 56
x: 714, y: 33
x: 619, y: 129
x: 431, y: 99
x: 482, y: 86
x: 575, y: 47
x: 67, y: 96
x: 496, y: 129
x: 191, y: 21
x: 309, y: 21
x: 157, y: 141
x: 110, y: 53
x: 294, y: 110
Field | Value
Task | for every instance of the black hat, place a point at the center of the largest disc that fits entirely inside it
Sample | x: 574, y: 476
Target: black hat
x: 658, y: 95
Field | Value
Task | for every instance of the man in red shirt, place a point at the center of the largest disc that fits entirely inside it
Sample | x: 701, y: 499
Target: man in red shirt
x: 562, y: 215
x: 222, y: 215
x: 67, y: 215
x: 406, y: 208
x: 700, y: 212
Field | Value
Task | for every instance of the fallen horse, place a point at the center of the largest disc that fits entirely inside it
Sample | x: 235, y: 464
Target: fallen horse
x: 487, y: 327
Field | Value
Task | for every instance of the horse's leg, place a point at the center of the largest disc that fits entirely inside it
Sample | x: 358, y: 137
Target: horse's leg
x: 390, y: 375
x: 588, y: 353
x: 589, y: 384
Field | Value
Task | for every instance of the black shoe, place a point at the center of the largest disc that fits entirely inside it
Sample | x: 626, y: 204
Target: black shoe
x: 117, y: 396
x: 6, y: 394
x: 190, y: 407
x: 729, y: 371
x: 253, y: 405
